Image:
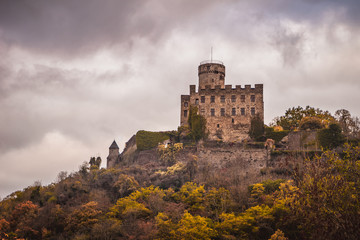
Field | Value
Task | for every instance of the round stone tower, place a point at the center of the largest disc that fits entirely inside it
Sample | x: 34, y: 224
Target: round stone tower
x: 211, y: 73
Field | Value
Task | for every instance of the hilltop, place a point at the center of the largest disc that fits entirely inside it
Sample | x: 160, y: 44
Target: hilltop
x: 203, y: 190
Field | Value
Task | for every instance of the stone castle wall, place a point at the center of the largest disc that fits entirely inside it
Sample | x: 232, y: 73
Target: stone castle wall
x: 228, y: 111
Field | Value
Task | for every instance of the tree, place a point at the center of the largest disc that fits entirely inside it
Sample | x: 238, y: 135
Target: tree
x: 278, y: 235
x: 327, y: 203
x: 195, y: 227
x: 343, y: 116
x: 331, y: 137
x: 125, y: 185
x: 82, y: 220
x: 197, y: 124
x: 293, y: 116
x: 192, y: 195
x: 95, y: 163
x: 23, y: 220
x: 311, y: 123
x: 350, y: 125
x: 256, y: 127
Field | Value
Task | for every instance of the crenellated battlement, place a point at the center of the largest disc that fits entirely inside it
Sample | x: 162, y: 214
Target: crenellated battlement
x: 228, y: 109
x: 257, y: 88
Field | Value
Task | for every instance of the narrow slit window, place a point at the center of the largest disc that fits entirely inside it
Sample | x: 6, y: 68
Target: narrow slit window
x: 222, y: 112
x: 242, y: 111
x: 233, y: 111
x: 212, y: 99
x: 185, y: 113
x: 212, y: 112
x: 202, y: 99
x: 197, y: 101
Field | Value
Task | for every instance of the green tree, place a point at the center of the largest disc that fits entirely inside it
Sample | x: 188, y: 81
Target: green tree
x: 256, y: 127
x: 293, y: 116
x: 331, y: 137
x: 197, y: 124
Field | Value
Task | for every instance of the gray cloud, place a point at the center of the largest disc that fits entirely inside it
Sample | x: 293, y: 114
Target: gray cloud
x: 289, y: 44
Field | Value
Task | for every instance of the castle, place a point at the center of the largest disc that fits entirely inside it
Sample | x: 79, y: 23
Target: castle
x: 228, y: 111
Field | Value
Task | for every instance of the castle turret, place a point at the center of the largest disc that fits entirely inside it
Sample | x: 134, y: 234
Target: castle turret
x: 228, y: 111
x: 211, y: 73
x: 114, y: 155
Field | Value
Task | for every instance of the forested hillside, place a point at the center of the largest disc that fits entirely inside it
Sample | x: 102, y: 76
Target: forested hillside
x: 165, y: 200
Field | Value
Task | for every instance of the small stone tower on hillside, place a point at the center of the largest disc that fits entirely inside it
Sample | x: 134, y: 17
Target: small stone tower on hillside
x: 228, y: 111
x: 114, y: 155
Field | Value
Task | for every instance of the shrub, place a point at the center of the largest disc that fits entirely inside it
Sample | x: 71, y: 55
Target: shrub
x: 331, y: 137
x: 275, y: 135
x: 256, y: 128
x: 197, y: 124
x: 147, y: 140
x: 311, y: 123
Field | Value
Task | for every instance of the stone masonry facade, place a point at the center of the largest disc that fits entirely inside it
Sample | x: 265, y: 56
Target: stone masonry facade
x: 228, y: 111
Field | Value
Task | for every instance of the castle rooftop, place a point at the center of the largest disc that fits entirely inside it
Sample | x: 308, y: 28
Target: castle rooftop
x: 114, y: 145
x: 211, y: 61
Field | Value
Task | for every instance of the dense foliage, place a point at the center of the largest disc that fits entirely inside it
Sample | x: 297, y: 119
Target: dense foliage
x: 256, y: 131
x: 147, y: 140
x: 197, y: 124
x: 322, y: 202
x: 331, y: 137
x: 293, y: 116
x: 275, y: 135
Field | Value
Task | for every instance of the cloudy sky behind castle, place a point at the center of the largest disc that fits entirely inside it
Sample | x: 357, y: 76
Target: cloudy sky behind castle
x: 75, y: 75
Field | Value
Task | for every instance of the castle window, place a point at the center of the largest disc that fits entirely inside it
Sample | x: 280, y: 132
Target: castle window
x: 242, y: 111
x: 202, y: 99
x: 222, y: 112
x: 233, y: 98
x: 212, y: 99
x: 252, y: 111
x: 197, y: 101
x: 212, y: 112
x: 232, y: 120
x: 218, y: 125
x: 186, y: 104
x: 222, y: 98
x: 252, y: 98
x: 233, y: 111
x: 202, y: 111
x: 185, y: 113
x: 242, y: 98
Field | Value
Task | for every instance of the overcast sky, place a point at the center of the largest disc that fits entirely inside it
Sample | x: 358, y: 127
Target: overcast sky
x: 75, y: 75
